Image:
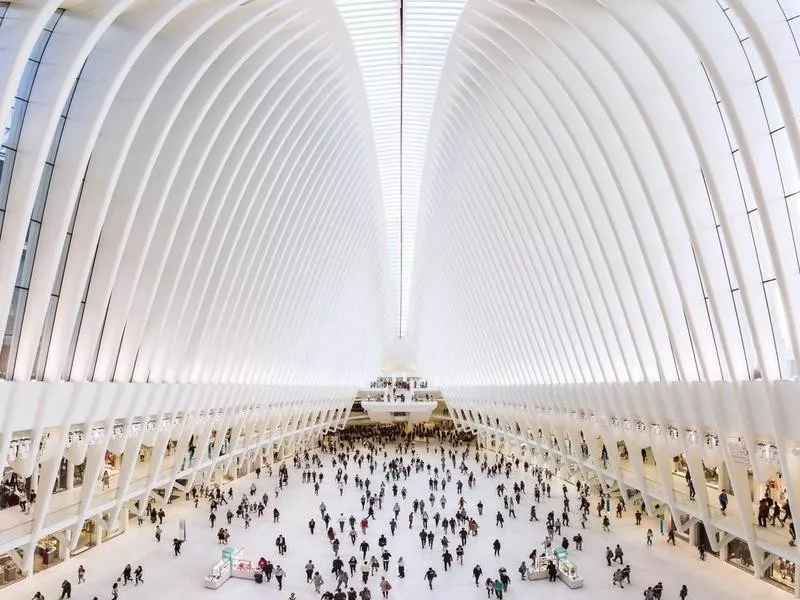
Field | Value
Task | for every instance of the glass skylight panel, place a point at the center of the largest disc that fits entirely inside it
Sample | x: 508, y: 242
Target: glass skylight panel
x: 374, y: 27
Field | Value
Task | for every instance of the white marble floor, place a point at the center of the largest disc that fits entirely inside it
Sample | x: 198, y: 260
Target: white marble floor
x: 177, y: 578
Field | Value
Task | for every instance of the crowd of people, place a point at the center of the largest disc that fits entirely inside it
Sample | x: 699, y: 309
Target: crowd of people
x: 376, y: 466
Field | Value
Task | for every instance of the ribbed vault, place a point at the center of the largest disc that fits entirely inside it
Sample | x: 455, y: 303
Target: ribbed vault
x: 611, y: 194
x: 196, y: 190
x: 189, y: 194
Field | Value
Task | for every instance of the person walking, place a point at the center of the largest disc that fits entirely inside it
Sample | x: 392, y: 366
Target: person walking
x: 723, y: 501
x: 365, y: 572
x: 476, y: 573
x: 618, y: 554
x: 684, y: 592
x: 430, y: 575
x: 158, y: 533
x: 66, y: 589
x: 176, y: 546
x: 279, y: 573
x: 523, y: 570
x: 352, y: 563
x: 447, y: 559
x: 137, y: 575
x: 317, y: 581
x: 498, y: 589
x: 126, y: 574
x: 342, y: 580
x: 609, y: 555
x: 578, y: 539
x: 401, y: 568
x: 81, y: 574
x: 309, y: 568
x: 385, y: 587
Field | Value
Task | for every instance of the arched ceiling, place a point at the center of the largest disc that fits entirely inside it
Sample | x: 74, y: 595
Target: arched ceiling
x: 273, y: 191
x: 612, y: 194
x: 192, y: 194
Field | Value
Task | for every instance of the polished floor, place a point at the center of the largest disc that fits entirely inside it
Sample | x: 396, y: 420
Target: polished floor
x: 176, y: 578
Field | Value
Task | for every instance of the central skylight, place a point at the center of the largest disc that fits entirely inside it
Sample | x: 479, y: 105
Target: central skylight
x: 401, y: 46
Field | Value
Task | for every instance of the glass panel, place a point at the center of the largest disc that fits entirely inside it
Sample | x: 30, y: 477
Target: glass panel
x: 11, y: 337
x: 28, y: 254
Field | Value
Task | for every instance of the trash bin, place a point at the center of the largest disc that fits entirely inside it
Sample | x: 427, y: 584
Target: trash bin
x: 259, y: 577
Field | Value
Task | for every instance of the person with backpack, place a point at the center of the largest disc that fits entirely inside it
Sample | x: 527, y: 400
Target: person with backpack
x: 385, y: 587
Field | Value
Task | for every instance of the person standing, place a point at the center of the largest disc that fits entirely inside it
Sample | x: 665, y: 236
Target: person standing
x: 496, y: 547
x: 401, y: 568
x: 552, y: 571
x: 158, y: 533
x: 723, y: 501
x: 683, y: 593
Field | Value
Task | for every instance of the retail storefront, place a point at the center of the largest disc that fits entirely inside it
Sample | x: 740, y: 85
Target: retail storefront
x: 87, y: 537
x: 9, y: 571
x: 782, y: 574
x: 739, y: 555
x: 50, y: 551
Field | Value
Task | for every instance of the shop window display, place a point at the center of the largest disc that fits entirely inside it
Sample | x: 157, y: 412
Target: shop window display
x: 9, y: 571
x: 739, y: 554
x: 782, y: 572
x: 48, y: 553
x: 87, y: 538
